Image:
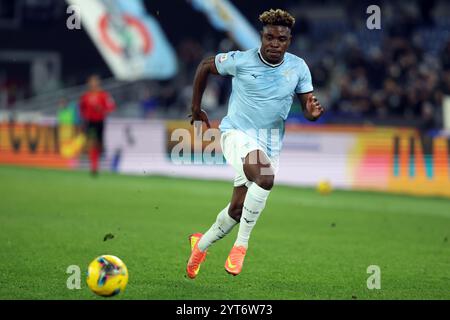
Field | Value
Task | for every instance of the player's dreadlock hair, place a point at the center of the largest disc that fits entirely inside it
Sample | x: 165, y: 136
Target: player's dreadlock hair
x: 277, y: 17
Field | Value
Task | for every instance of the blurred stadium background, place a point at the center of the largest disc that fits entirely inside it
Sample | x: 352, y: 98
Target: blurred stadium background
x: 386, y: 91
x: 387, y: 128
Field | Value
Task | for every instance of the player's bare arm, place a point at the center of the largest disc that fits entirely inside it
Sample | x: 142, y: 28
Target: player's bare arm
x: 205, y: 68
x: 311, y: 107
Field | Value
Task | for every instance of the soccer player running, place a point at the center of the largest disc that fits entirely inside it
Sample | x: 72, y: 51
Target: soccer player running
x: 264, y: 81
x: 95, y: 105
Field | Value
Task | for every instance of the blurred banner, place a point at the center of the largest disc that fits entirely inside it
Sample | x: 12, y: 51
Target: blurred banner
x: 225, y: 17
x: 129, y: 39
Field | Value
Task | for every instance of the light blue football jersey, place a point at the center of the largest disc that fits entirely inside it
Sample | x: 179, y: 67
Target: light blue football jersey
x: 262, y: 94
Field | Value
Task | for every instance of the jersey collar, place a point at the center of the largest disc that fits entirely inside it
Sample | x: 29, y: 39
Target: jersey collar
x: 268, y: 63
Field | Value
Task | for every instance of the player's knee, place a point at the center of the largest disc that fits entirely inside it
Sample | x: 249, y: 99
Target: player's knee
x: 235, y: 212
x: 265, y: 181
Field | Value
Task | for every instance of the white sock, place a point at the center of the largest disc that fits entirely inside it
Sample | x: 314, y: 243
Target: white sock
x: 254, y: 203
x: 223, y: 225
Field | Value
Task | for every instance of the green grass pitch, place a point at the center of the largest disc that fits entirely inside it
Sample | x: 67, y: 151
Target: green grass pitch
x: 305, y: 246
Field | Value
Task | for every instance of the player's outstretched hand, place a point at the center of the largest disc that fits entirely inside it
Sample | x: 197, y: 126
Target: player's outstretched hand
x: 314, y: 108
x: 200, y: 116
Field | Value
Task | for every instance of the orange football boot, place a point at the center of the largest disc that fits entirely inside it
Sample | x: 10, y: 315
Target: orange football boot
x: 197, y: 256
x: 235, y: 260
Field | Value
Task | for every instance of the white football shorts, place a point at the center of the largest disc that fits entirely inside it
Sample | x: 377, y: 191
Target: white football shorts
x: 236, y: 145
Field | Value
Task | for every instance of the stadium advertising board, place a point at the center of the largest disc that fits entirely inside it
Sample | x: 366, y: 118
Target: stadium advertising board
x: 365, y: 158
x: 145, y: 147
x: 39, y: 143
x: 360, y: 158
x: 371, y: 158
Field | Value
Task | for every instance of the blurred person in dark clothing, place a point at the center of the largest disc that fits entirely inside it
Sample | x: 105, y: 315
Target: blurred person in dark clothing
x: 303, y: 26
x: 149, y: 103
x: 445, y: 57
x: 395, y: 99
x: 95, y: 105
x: 445, y: 83
x: 426, y: 8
